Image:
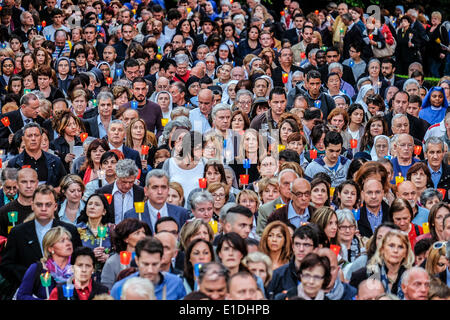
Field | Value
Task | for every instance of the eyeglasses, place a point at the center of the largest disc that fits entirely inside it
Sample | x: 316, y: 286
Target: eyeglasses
x: 440, y: 244
x: 349, y: 228
x: 306, y: 277
x: 298, y: 245
x: 301, y: 194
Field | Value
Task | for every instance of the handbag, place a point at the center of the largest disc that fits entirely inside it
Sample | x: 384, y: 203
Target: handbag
x: 387, y: 51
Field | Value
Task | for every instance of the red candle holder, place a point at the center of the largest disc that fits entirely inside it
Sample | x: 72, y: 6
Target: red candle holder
x: 5, y: 121
x: 125, y: 257
x: 83, y: 136
x: 108, y: 197
x: 144, y: 149
x: 285, y: 77
x: 442, y: 191
x: 371, y: 36
x: 43, y: 23
x: 244, y: 179
x: 313, y: 154
x: 335, y: 249
x: 202, y: 183
x: 353, y: 143
x: 417, y: 150
x: 109, y: 80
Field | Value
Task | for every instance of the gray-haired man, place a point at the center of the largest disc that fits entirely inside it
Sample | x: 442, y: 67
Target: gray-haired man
x: 98, y: 126
x: 125, y: 192
x: 157, y: 190
x: 116, y: 137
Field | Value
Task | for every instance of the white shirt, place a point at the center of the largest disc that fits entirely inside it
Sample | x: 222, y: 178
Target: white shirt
x: 154, y: 213
x: 122, y: 203
x: 41, y: 231
x: 112, y: 147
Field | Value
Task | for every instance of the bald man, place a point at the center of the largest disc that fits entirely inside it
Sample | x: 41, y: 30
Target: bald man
x: 336, y: 290
x: 242, y: 286
x: 370, y: 289
x: 404, y: 159
x: 408, y: 191
x: 298, y: 210
x: 27, y: 182
x: 199, y: 116
x: 169, y: 242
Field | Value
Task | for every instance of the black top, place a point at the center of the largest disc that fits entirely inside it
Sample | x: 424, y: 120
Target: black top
x: 22, y: 211
x: 40, y: 165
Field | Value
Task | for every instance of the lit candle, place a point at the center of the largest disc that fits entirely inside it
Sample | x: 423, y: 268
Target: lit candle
x: 335, y: 249
x: 371, y: 36
x: 7, y: 123
x: 109, y: 80
x: 244, y: 179
x: 44, y: 23
x: 134, y: 105
x: 282, y: 13
x: 144, y: 149
x: 417, y: 150
x: 442, y: 191
x: 46, y: 280
x: 426, y: 227
x: 279, y: 205
x: 356, y: 214
x: 202, y: 183
x: 68, y: 289
x: 388, y: 157
x: 317, y: 103
x: 352, y: 63
x: 313, y: 154
x: 139, y: 208
x: 353, y: 143
x: 119, y: 73
x: 159, y: 56
x: 12, y: 217
x: 39, y: 28
x: 94, y: 102
x: 125, y: 258
x: 332, y: 191
x: 281, y: 147
x: 164, y: 121
x: 83, y: 136
x: 316, y: 12
x: 101, y: 174
x: 214, y: 225
x: 303, y: 55
x: 108, y: 197
x: 101, y: 233
x: 399, y: 179
x: 285, y: 77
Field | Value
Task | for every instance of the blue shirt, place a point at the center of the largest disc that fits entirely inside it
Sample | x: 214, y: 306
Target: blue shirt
x: 295, y: 218
x: 421, y: 216
x: 374, y: 220
x: 101, y: 128
x: 435, y: 175
x: 41, y: 231
x: 174, y: 287
x: 199, y: 121
x: 6, y: 199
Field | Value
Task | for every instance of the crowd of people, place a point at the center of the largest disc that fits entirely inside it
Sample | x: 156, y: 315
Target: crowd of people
x: 221, y: 150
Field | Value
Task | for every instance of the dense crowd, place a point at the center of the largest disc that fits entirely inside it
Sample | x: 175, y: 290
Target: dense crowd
x: 222, y: 150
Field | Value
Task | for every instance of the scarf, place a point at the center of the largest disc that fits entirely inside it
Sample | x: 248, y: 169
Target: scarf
x: 320, y: 295
x: 60, y: 275
x: 337, y: 292
x: 379, y: 272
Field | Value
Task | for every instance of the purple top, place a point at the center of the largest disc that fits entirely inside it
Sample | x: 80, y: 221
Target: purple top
x: 151, y: 113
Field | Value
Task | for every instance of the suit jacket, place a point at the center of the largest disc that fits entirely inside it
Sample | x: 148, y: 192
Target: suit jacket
x: 23, y: 249
x: 263, y: 214
x: 444, y: 182
x: 100, y: 47
x: 291, y: 35
x: 138, y: 196
x: 16, y: 123
x: 282, y: 214
x: 363, y: 224
x: 91, y: 126
x: 181, y: 215
x: 133, y: 155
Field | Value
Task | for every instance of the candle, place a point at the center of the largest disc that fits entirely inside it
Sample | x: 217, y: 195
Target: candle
x: 118, y: 73
x: 303, y: 55
x: 202, y: 183
x: 352, y: 63
x: 46, y: 280
x: 26, y: 166
x: 371, y: 36
x: 12, y: 217
x: 426, y: 227
x: 144, y: 149
x: 1, y: 163
x: 244, y: 179
x: 388, y: 157
x: 313, y: 154
x: 164, y: 121
x: 356, y: 214
x: 438, y: 41
x: 139, y: 174
x: 101, y: 233
x: 247, y: 163
x: 188, y: 9
x: 83, y: 136
x: 134, y: 105
x: 44, y: 23
x: 341, y: 31
x: 282, y: 13
x: 399, y: 179
x: 7, y: 123
x: 125, y: 258
x: 316, y: 12
x: 100, y: 16
x: 332, y: 191
x: 317, y: 103
x: 442, y: 191
x: 353, y: 143
x: 285, y: 77
x: 26, y: 91
x: 68, y: 290
x: 281, y: 147
x: 139, y: 208
x: 159, y: 56
x: 335, y: 249
x: 279, y: 205
x: 410, y: 36
x: 109, y: 80
x: 94, y: 102
x: 108, y: 197
x: 214, y: 225
x: 39, y: 28
x: 417, y: 150
x: 99, y: 28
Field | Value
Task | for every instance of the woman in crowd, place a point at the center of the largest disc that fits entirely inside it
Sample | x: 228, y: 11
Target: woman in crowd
x: 260, y: 265
x: 356, y: 123
x: 420, y: 175
x: 327, y: 220
x: 401, y: 213
x: 437, y: 260
x: 351, y: 244
x: 347, y: 196
x: 221, y: 194
x: 57, y: 247
x: 320, y: 192
x: 231, y: 249
x: 268, y: 190
x: 276, y: 243
x: 72, y: 189
x: 176, y: 194
x: 437, y: 213
x: 124, y: 237
x: 381, y: 147
x: 90, y: 169
x: 198, y: 251
x: 249, y: 199
x: 375, y: 126
x: 339, y: 119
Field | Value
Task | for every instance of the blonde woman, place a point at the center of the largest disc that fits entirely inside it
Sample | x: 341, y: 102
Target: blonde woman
x: 72, y: 188
x: 195, y: 229
x: 57, y: 247
x: 437, y: 261
x: 260, y: 265
x: 391, y: 259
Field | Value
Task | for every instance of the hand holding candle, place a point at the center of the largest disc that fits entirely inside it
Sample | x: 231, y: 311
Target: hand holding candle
x: 46, y: 281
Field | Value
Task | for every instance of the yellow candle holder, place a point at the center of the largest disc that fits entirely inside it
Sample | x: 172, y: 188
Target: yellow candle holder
x: 139, y: 207
x: 426, y: 227
x: 164, y: 121
x: 279, y: 205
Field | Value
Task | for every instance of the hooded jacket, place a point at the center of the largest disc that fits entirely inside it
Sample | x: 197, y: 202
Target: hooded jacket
x: 337, y: 176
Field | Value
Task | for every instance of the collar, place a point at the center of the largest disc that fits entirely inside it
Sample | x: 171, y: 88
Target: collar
x: 116, y: 189
x: 432, y: 171
x: 154, y: 210
x: 379, y: 212
x: 23, y: 116
x: 119, y: 148
x: 292, y: 213
x: 42, y: 227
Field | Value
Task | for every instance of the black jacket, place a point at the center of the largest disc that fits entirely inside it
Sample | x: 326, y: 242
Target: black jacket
x: 23, y: 249
x: 292, y: 36
x: 417, y: 127
x: 444, y: 182
x: 283, y: 279
x: 62, y: 148
x: 16, y: 124
x: 363, y: 224
x: 278, y: 73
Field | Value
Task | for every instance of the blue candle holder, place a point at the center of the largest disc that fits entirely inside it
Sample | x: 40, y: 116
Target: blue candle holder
x: 39, y: 28
x: 68, y: 291
x: 388, y: 157
x: 100, y: 16
x: 246, y: 163
x: 356, y: 214
x: 317, y: 103
x: 118, y: 73
x: 98, y: 28
x: 134, y: 105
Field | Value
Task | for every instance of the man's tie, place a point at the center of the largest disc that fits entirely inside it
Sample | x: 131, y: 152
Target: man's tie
x: 158, y: 216
x: 27, y: 121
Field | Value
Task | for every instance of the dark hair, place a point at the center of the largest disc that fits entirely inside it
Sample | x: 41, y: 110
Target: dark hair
x: 235, y: 240
x: 357, y: 46
x: 415, y: 168
x: 131, y: 62
x: 277, y: 91
x: 288, y: 155
x: 45, y: 189
x: 332, y: 49
x: 108, y: 155
x: 398, y: 205
x: 238, y: 209
x: 334, y: 138
x: 150, y: 245
x: 367, y: 138
x: 312, y: 260
x: 166, y: 63
x: 336, y: 197
x: 107, y: 218
x: 353, y: 107
x: 217, y: 166
x: 82, y: 251
x: 92, y: 146
x: 313, y: 74
x: 188, y: 271
x: 165, y: 219
x: 422, y: 246
x: 307, y: 231
x: 317, y: 131
x: 415, y: 99
x: 354, y: 167
x: 124, y: 229
x: 318, y: 180
x: 372, y: 245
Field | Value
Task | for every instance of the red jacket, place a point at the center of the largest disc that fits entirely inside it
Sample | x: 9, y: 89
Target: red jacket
x: 414, y: 233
